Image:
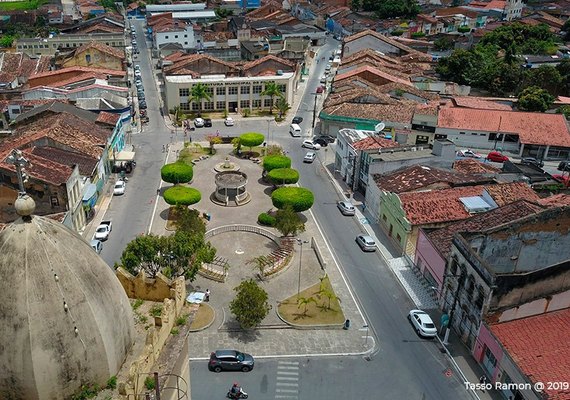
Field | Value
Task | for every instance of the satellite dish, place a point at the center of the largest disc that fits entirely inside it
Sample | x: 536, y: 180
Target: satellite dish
x: 379, y: 127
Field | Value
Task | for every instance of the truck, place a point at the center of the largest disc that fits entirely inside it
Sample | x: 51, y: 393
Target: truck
x: 103, y: 230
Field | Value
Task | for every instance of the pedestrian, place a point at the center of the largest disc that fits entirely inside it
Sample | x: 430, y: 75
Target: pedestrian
x: 157, y: 191
x: 207, y: 295
x: 163, y: 148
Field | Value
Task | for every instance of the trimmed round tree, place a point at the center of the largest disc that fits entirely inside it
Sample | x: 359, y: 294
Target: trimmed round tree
x: 283, y: 176
x: 251, y: 139
x: 178, y: 172
x: 181, y: 196
x: 276, y: 161
x: 300, y: 199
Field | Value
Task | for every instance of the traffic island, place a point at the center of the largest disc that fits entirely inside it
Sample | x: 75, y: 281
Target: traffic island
x: 317, y: 307
x: 203, y: 318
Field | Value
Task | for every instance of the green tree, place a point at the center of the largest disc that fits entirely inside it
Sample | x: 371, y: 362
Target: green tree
x: 443, y: 43
x: 6, y: 41
x: 177, y: 172
x: 250, y: 306
x: 282, y: 106
x: 142, y: 253
x: 198, y: 93
x: 181, y: 196
x: 329, y: 294
x: 545, y: 77
x: 564, y: 71
x: 534, y: 98
x: 251, y: 139
x: 288, y: 222
x: 355, y: 5
x: 259, y: 263
x: 276, y: 161
x: 305, y: 301
x: 184, y: 253
x: 189, y: 221
x: 283, y: 176
x: 566, y: 30
x: 272, y: 90
x: 564, y: 110
x: 213, y: 140
x: 300, y: 199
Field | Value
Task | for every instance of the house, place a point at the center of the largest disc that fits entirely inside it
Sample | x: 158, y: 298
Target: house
x: 520, y: 353
x: 505, y: 272
x: 232, y: 86
x: 16, y: 68
x: 93, y: 55
x: 434, y: 245
x: 50, y: 46
x: 540, y: 135
x: 369, y: 39
x: 74, y: 75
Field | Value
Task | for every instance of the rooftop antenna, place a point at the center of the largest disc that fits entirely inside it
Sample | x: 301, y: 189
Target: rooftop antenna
x: 24, y: 204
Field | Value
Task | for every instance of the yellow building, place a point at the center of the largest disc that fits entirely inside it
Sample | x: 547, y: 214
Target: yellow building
x: 93, y: 54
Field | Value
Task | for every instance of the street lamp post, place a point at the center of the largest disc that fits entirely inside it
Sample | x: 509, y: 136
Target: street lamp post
x: 300, y: 243
x: 315, y: 111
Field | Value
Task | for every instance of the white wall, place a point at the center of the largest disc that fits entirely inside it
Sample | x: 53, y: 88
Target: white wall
x: 475, y: 139
x: 185, y: 38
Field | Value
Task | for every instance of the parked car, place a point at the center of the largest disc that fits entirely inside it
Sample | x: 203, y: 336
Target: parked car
x: 323, y: 79
x: 297, y: 120
x: 207, y: 122
x: 564, y: 166
x: 321, y: 142
x: 532, y: 161
x: 138, y: 73
x: 97, y: 246
x: 422, y: 323
x: 137, y: 67
x: 468, y: 154
x: 140, y: 95
x: 119, y: 188
x: 346, y: 207
x: 309, y: 144
x: 230, y: 360
x: 229, y: 121
x: 366, y: 242
x: 142, y: 105
x: 564, y: 179
x: 309, y: 157
x: 328, y: 138
x: 199, y: 123
x: 328, y: 67
x: 103, y: 230
x: 320, y: 89
x: 496, y: 156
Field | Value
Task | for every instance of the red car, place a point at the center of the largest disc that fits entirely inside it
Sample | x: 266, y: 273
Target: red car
x: 564, y: 179
x: 495, y: 156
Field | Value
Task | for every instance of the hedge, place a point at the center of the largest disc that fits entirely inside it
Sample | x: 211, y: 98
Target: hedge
x: 300, y: 199
x: 283, y: 176
x: 182, y: 196
x: 266, y: 219
x: 276, y: 161
x: 251, y: 139
x: 178, y: 172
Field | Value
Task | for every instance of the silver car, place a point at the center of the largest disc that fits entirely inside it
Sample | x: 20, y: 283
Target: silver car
x: 346, y: 207
x: 366, y: 242
x: 422, y: 323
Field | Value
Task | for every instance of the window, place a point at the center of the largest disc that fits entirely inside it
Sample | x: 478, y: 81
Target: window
x: 220, y: 105
x: 244, y: 90
x: 453, y: 266
x: 185, y: 42
x: 87, y: 58
x: 244, y: 104
x: 185, y: 92
x: 195, y: 106
x: 220, y: 91
x: 233, y: 90
x: 267, y: 103
x: 186, y: 36
x: 166, y: 37
x: 474, y: 133
x: 185, y: 106
x: 256, y: 104
x: 209, y: 105
x: 398, y: 238
x: 175, y: 36
x: 282, y: 88
x: 470, y: 287
x: 210, y: 90
x: 462, y: 133
x: 257, y: 89
x: 54, y: 201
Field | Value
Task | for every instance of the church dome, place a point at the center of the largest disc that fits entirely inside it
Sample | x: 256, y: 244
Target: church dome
x: 66, y: 320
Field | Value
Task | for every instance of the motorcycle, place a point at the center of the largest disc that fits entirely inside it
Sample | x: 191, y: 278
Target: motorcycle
x: 236, y: 396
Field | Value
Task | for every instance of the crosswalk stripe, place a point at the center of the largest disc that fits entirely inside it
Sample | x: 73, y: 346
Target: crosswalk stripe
x: 286, y: 391
x: 287, y: 378
x: 283, y: 367
x: 287, y: 384
x: 287, y: 373
x: 278, y: 396
x: 289, y: 362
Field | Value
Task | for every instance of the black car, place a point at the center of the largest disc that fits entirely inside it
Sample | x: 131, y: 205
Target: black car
x: 327, y: 138
x: 230, y: 360
x: 297, y: 120
x: 207, y: 122
x: 564, y: 166
x: 532, y: 161
x: 142, y: 105
x: 321, y: 141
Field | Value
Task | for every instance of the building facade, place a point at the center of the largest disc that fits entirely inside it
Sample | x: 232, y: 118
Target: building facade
x: 38, y: 47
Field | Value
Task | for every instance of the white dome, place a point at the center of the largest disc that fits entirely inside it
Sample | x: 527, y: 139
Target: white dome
x: 66, y: 320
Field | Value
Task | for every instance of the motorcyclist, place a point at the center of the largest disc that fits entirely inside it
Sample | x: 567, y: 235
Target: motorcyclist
x: 235, y: 390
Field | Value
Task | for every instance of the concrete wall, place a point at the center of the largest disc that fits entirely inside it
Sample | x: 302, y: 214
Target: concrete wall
x: 184, y: 37
x: 428, y: 258
x: 555, y: 302
x: 487, y: 340
x: 141, y: 287
x: 393, y: 219
x: 35, y: 47
x: 95, y: 59
x: 476, y: 139
x: 369, y: 42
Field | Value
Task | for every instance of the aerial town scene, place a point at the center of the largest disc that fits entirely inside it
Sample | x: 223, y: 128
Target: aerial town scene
x: 285, y: 199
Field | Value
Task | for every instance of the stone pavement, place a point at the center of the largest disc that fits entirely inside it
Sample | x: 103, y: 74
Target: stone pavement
x: 273, y: 338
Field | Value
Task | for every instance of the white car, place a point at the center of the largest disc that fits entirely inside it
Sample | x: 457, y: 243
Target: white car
x: 309, y: 157
x: 468, y: 154
x: 309, y: 144
x: 422, y: 323
x: 199, y: 122
x: 102, y: 232
x: 229, y: 121
x: 346, y: 207
x: 119, y: 188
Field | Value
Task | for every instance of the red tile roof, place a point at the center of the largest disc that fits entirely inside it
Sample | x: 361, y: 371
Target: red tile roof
x: 410, y: 179
x: 85, y: 164
x: 532, y: 128
x: 374, y: 142
x: 20, y: 65
x: 540, y: 346
x: 557, y: 200
x: 103, y: 48
x: 442, y: 238
x: 506, y: 193
x: 469, y: 166
x: 418, y: 55
x: 480, y: 103
x: 108, y: 118
x: 367, y: 70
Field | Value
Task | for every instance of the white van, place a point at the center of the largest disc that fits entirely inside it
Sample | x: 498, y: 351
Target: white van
x: 295, y: 130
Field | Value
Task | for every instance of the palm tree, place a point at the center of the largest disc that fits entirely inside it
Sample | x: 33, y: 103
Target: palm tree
x: 272, y: 89
x: 304, y: 301
x: 199, y: 92
x: 282, y: 106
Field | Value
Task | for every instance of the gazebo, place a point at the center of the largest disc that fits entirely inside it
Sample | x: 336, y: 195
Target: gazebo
x: 231, y: 189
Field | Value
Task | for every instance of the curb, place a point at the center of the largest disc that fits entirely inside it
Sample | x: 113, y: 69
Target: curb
x: 208, y: 324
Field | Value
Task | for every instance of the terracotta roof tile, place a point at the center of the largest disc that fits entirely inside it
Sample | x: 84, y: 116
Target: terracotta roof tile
x: 108, y: 118
x: 509, y: 192
x: 469, y: 166
x: 368, y: 72
x: 402, y: 112
x: 532, y: 128
x: 269, y: 57
x: 557, y: 200
x: 85, y: 164
x: 375, y: 142
x: 103, y: 48
x: 368, y: 32
x: 540, y: 347
x: 442, y: 238
x: 417, y: 177
x: 20, y: 65
x: 480, y: 103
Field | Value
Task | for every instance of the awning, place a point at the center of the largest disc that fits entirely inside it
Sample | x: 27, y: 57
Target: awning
x: 125, y: 156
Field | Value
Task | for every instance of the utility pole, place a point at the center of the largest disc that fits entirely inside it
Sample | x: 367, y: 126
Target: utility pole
x: 315, y: 111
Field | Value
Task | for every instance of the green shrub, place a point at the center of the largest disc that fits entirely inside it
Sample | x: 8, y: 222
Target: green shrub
x: 178, y: 172
x: 416, y: 35
x: 149, y: 383
x: 397, y: 33
x: 137, y: 303
x: 181, y: 196
x: 283, y: 176
x: 300, y: 199
x: 266, y: 219
x: 174, y: 331
x: 463, y: 29
x: 276, y: 161
x: 251, y: 139
x: 112, y: 383
x: 156, y: 310
x: 181, y: 321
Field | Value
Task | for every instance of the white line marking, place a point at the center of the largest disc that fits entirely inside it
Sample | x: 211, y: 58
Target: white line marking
x: 287, y: 378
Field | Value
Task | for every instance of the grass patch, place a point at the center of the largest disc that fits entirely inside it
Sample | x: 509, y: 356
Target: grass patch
x: 137, y: 303
x: 156, y: 310
x: 203, y: 317
x: 21, y: 5
x: 321, y: 310
x: 192, y: 152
